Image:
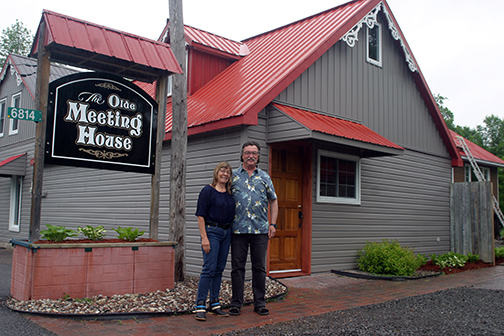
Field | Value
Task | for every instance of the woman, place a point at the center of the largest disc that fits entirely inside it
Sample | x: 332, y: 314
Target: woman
x: 215, y: 212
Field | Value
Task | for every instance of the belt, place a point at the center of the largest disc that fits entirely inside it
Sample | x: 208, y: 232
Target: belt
x: 225, y: 226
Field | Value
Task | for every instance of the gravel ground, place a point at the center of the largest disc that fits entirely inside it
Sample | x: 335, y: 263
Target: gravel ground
x: 461, y: 311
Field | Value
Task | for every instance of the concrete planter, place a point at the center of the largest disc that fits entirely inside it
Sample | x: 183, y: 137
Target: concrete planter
x: 51, y: 271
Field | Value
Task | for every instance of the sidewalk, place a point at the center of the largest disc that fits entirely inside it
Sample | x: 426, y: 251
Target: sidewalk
x: 309, y: 295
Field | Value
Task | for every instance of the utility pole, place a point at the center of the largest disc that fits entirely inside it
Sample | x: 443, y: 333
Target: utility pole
x: 179, y: 139
x: 41, y: 94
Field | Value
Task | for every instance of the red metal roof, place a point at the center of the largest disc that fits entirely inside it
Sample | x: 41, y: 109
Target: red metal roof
x: 336, y: 126
x: 12, y: 158
x: 195, y: 36
x: 477, y: 152
x: 92, y: 46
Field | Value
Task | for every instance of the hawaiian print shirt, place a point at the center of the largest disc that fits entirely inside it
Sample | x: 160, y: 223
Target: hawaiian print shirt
x: 251, y: 196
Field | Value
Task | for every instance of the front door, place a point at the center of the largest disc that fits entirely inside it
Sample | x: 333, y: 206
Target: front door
x: 287, y: 175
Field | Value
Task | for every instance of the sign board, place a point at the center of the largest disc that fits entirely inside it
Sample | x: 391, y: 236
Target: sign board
x: 102, y: 121
x: 24, y: 114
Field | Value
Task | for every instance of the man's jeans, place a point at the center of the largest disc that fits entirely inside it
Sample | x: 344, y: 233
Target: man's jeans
x: 214, y: 263
x: 239, y: 249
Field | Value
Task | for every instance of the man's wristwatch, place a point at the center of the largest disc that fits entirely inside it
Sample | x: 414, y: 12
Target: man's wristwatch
x: 274, y: 225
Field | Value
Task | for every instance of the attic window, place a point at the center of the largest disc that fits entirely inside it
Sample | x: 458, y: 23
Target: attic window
x: 374, y: 52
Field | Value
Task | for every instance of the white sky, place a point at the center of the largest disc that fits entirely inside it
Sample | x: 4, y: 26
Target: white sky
x: 456, y: 43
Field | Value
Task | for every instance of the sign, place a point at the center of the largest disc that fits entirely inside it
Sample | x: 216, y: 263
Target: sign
x: 24, y: 114
x: 100, y: 121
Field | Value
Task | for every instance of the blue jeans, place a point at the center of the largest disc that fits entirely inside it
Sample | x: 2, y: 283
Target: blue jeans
x: 258, y: 244
x: 214, y: 263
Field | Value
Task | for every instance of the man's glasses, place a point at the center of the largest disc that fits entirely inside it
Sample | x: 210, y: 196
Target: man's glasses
x: 251, y: 153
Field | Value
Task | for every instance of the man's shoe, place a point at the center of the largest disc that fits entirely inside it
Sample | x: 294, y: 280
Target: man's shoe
x: 201, y: 311
x: 234, y: 311
x: 261, y: 310
x: 215, y: 309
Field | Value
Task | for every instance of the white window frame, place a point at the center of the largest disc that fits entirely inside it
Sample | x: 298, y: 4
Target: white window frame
x: 14, y: 122
x: 380, y: 43
x: 3, y: 116
x: 340, y: 200
x: 15, y: 203
x: 468, y: 172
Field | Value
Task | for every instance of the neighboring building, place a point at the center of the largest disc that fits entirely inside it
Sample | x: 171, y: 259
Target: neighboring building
x: 350, y: 133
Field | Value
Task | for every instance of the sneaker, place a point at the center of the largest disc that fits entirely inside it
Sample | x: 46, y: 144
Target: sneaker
x: 234, y: 311
x: 261, y: 310
x: 215, y: 309
x: 201, y: 311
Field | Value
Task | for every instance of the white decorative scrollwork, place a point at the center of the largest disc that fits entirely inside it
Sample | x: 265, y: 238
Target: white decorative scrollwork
x: 14, y: 72
x: 352, y: 35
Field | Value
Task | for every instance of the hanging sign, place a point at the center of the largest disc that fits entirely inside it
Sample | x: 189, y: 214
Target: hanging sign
x: 100, y: 121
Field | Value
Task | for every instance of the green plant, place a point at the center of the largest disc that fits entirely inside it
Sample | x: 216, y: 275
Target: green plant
x: 92, y: 233
x: 129, y: 233
x: 471, y: 258
x: 389, y: 258
x: 57, y: 233
x: 499, y: 252
x: 449, y: 260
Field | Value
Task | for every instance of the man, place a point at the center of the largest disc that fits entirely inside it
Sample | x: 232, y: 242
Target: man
x: 252, y: 191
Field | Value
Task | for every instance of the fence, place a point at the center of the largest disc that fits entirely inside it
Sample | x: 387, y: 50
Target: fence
x: 471, y: 219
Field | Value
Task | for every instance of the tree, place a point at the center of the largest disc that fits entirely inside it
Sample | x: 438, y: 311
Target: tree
x: 15, y: 39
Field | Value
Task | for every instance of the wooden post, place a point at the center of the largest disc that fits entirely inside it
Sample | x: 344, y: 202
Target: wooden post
x: 161, y: 92
x: 41, y: 94
x: 179, y: 139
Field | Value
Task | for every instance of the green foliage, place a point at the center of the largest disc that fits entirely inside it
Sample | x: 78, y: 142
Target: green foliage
x: 450, y: 260
x: 129, y: 233
x: 499, y: 252
x: 389, y: 258
x: 15, y: 39
x: 471, y: 258
x: 57, y: 233
x: 92, y: 233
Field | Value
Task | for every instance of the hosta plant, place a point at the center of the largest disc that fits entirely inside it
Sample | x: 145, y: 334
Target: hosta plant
x: 128, y: 234
x: 449, y: 260
x: 57, y: 233
x: 92, y: 233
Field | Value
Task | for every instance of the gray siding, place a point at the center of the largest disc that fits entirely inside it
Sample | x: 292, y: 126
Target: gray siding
x: 384, y: 99
x: 404, y: 198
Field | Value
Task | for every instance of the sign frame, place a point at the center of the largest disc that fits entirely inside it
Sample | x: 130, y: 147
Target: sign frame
x: 99, y: 120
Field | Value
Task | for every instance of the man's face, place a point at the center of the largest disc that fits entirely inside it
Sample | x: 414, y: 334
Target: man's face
x: 250, y: 155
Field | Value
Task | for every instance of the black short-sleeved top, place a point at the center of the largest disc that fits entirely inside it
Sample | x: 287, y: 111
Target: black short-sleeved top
x: 215, y: 206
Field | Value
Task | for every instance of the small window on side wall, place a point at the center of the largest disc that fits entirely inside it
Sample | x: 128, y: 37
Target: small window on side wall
x: 14, y: 123
x: 338, y: 178
x: 3, y: 116
x: 374, y: 43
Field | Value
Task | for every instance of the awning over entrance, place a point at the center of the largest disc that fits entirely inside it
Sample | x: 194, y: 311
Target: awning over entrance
x: 336, y: 130
x: 15, y: 165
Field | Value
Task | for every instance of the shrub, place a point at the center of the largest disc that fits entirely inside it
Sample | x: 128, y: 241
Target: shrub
x: 92, y: 233
x: 57, y: 233
x: 450, y: 260
x: 128, y: 234
x: 389, y: 258
x: 499, y: 252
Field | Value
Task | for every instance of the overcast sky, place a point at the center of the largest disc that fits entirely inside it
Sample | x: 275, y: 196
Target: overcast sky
x: 456, y: 43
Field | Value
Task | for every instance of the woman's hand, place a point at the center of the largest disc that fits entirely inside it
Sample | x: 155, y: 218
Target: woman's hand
x: 205, y: 244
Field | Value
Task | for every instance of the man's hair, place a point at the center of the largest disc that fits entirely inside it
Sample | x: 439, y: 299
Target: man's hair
x: 250, y: 143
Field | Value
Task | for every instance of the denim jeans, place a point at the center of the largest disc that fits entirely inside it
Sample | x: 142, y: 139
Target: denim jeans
x: 240, y: 244
x: 214, y: 263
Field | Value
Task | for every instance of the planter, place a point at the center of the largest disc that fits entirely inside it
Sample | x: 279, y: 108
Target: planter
x: 51, y: 271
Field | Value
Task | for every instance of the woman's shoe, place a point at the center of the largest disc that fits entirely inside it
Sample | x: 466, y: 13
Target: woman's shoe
x: 215, y: 309
x: 201, y: 311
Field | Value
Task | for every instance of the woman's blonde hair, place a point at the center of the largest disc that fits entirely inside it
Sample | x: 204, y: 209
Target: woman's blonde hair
x: 223, y: 164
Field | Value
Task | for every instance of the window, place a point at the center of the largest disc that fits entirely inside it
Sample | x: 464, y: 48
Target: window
x: 338, y: 178
x: 14, y: 123
x: 374, y: 45
x: 470, y: 176
x: 15, y: 203
x: 3, y: 115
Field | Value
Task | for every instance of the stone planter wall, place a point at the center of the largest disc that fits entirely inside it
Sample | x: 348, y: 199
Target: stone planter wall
x: 51, y: 271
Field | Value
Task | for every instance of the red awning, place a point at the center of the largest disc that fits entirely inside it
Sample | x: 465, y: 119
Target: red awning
x: 341, y: 131
x: 15, y: 165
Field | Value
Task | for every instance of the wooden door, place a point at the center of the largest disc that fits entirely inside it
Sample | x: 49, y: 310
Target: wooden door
x: 286, y: 173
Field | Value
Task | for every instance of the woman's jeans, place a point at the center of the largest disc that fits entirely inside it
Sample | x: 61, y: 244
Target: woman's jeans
x: 214, y: 263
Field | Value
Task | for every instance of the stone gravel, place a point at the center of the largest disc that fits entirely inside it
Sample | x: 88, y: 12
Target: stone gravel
x: 180, y: 299
x: 461, y: 311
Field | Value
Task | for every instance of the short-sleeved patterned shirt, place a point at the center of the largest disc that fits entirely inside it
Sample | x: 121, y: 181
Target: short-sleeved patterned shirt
x: 251, y: 196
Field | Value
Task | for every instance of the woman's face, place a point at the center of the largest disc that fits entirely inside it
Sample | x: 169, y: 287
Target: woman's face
x: 223, y: 175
